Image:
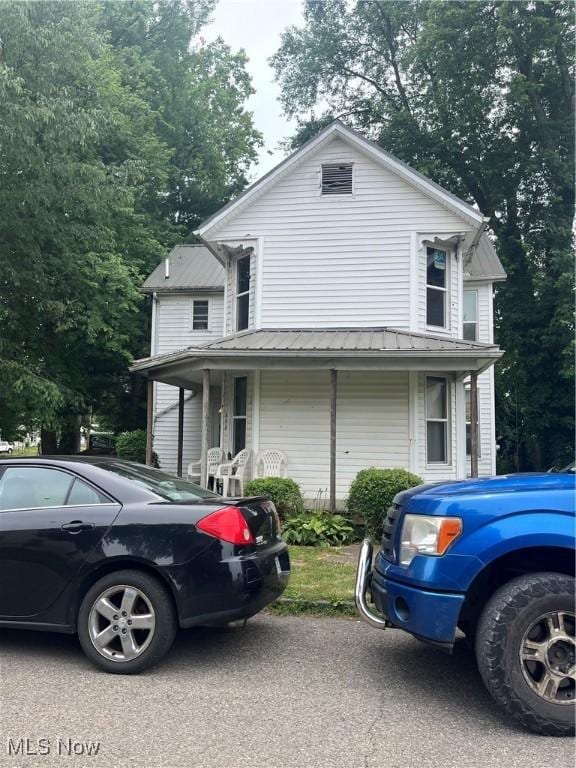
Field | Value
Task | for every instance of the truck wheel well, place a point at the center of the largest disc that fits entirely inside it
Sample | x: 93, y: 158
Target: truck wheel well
x: 506, y: 568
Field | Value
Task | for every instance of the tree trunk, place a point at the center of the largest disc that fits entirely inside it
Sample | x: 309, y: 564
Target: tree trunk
x: 48, y: 442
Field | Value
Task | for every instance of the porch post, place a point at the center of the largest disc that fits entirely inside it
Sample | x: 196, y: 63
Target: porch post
x: 474, y: 424
x: 205, y: 420
x: 180, y: 431
x: 149, y: 420
x: 333, y: 396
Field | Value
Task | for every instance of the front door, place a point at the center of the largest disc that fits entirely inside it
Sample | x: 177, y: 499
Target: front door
x: 50, y: 520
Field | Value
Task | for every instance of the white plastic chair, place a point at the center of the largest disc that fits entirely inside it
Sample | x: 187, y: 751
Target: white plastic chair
x: 271, y: 463
x: 214, y: 459
x: 236, y: 471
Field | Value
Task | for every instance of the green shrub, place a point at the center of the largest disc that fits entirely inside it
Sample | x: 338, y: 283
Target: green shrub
x: 283, y: 491
x: 132, y: 446
x: 311, y: 529
x: 371, y: 494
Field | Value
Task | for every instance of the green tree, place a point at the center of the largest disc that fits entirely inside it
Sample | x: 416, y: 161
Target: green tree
x: 480, y: 97
x: 118, y: 133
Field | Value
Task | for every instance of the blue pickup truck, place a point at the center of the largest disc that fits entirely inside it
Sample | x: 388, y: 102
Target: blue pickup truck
x: 493, y: 558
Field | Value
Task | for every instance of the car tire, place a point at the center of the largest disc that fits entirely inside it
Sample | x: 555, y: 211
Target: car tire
x: 528, y: 618
x: 129, y: 641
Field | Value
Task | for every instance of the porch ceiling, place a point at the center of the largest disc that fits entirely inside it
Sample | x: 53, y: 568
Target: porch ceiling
x: 306, y: 349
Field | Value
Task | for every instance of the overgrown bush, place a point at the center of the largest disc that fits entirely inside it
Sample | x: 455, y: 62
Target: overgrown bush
x: 284, y: 492
x: 371, y: 494
x: 313, y: 529
x: 132, y: 446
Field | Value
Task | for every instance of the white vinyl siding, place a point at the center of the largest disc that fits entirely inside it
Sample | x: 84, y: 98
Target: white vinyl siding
x: 330, y: 261
x: 174, y: 317
x: 371, y: 425
x: 174, y: 321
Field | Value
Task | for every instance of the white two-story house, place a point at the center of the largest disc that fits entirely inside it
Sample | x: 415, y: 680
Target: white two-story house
x: 339, y: 310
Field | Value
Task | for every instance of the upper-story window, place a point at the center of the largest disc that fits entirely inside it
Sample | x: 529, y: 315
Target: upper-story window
x: 242, y: 292
x: 436, y: 286
x: 200, y: 315
x: 337, y: 179
x: 470, y: 316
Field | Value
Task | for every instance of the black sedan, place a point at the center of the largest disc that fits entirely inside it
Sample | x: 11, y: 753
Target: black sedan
x: 124, y: 554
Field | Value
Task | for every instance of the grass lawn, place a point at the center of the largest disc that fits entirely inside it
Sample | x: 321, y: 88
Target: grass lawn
x: 321, y: 582
x: 32, y: 450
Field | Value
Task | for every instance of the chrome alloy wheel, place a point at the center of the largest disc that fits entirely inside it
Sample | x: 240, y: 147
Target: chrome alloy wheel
x: 547, y: 656
x: 122, y: 623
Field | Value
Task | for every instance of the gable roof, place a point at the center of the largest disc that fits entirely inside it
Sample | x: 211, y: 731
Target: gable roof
x: 191, y: 268
x: 337, y: 128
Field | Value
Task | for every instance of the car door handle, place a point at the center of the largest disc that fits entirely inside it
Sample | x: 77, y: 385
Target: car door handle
x: 76, y: 526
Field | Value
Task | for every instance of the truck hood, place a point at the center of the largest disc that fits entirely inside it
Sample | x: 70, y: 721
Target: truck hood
x: 522, y: 482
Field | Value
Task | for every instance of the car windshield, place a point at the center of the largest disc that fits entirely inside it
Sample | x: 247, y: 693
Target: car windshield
x: 166, y: 486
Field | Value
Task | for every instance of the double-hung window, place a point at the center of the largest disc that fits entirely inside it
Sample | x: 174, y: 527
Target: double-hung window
x: 239, y: 414
x: 200, y: 315
x: 470, y: 316
x: 436, y: 286
x: 437, y: 422
x: 242, y: 292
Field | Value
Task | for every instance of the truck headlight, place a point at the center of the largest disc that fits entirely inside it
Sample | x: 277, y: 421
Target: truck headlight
x: 427, y: 535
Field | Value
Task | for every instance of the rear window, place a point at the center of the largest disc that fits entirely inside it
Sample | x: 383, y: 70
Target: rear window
x: 166, y: 486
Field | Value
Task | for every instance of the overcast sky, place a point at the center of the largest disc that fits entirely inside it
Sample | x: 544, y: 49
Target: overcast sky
x: 256, y: 25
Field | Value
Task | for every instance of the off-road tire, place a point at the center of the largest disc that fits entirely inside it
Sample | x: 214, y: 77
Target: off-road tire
x: 166, y: 623
x: 502, y: 626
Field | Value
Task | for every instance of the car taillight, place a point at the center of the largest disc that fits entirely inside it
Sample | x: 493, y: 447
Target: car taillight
x: 227, y: 524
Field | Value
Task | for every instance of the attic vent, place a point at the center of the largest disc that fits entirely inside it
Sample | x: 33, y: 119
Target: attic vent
x: 337, y: 179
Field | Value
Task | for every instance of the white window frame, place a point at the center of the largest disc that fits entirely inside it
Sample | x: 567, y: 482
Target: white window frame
x: 470, y: 322
x: 200, y: 330
x: 243, y: 293
x: 344, y: 195
x: 467, y: 422
x: 445, y: 290
x: 446, y: 421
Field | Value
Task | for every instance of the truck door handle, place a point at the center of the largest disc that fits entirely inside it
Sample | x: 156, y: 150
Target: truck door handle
x: 76, y: 526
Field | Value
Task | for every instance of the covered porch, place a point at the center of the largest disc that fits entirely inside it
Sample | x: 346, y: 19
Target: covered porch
x: 334, y: 401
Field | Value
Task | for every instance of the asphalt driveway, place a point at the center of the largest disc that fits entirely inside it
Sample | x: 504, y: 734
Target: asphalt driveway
x: 280, y: 693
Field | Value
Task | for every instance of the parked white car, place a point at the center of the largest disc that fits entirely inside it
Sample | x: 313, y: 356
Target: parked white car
x: 6, y: 447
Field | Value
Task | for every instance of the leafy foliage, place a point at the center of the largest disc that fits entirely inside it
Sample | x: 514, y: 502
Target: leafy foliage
x: 313, y: 529
x: 479, y: 96
x: 372, y: 492
x: 132, y: 446
x: 120, y: 130
x: 283, y: 491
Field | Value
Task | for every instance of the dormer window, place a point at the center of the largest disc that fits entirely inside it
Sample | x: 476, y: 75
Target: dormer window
x: 337, y: 179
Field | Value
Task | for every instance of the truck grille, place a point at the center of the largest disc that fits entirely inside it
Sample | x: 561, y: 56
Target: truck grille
x: 389, y: 532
